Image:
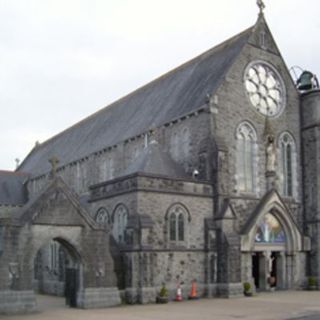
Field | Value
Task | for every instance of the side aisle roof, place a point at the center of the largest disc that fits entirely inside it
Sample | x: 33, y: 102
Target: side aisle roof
x: 12, y: 189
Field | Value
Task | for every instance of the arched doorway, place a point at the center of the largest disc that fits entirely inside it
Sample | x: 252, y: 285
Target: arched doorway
x: 57, y: 270
x: 273, y: 249
x: 268, y: 254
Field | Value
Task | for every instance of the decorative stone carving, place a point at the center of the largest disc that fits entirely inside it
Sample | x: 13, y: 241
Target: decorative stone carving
x: 271, y: 154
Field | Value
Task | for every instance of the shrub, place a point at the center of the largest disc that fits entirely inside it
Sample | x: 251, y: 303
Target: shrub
x: 163, y: 291
x: 246, y: 287
x: 312, y: 281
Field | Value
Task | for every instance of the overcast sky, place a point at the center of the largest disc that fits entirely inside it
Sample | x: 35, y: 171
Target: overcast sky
x: 61, y: 60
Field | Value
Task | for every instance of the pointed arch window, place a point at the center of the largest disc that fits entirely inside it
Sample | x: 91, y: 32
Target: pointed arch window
x: 287, y: 163
x: 246, y: 146
x: 102, y: 216
x: 120, y: 219
x: 178, y: 219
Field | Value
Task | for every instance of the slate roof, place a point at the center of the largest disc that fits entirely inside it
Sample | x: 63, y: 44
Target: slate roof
x: 154, y: 160
x: 177, y: 93
x: 12, y: 190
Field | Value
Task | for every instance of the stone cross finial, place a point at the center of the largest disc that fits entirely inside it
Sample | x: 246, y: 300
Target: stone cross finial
x: 54, y: 164
x: 261, y: 6
x: 17, y: 160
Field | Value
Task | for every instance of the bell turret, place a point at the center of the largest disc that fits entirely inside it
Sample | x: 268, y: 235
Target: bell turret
x: 307, y: 81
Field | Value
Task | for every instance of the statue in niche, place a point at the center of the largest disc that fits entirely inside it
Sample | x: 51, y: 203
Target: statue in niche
x: 271, y: 153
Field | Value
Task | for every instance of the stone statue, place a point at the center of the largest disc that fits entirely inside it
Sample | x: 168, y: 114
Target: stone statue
x: 271, y: 154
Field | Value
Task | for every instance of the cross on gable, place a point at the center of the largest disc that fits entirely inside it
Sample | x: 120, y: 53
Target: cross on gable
x: 261, y: 6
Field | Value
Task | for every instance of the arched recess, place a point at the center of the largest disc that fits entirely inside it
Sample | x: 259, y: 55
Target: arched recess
x: 68, y: 272
x: 272, y: 264
x: 293, y: 236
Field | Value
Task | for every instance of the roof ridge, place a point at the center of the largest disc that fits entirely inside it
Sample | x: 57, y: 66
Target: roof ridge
x: 14, y: 173
x: 161, y: 95
x: 142, y: 87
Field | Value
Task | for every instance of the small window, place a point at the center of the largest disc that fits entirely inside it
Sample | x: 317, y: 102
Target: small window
x: 102, y: 216
x: 263, y: 39
x: 120, y: 219
x: 287, y: 161
x: 178, y: 219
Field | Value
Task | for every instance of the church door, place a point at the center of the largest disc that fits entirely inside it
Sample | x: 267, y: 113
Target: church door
x: 72, y: 276
x: 256, y: 269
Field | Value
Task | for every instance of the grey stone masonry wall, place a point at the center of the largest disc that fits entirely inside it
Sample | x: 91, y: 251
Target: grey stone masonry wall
x: 154, y: 198
x: 21, y: 302
x: 152, y: 259
x: 310, y: 110
x: 56, y: 215
x: 233, y: 107
x: 98, y: 298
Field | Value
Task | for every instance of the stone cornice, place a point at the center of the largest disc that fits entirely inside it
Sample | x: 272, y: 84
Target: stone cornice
x: 148, y: 183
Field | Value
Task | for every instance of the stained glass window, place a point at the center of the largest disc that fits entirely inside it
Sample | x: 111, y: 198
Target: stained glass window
x: 177, y: 224
x: 269, y: 230
x: 173, y: 227
x: 246, y: 138
x: 120, y: 219
x: 287, y: 147
x: 102, y: 216
x: 181, y: 227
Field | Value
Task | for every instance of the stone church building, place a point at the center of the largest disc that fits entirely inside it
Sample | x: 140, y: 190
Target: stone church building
x: 209, y: 172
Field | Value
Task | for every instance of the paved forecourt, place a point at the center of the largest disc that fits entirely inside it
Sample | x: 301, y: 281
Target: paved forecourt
x: 277, y: 305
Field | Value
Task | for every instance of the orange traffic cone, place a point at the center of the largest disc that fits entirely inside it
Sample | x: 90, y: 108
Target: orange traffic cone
x: 179, y: 293
x: 193, y: 292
